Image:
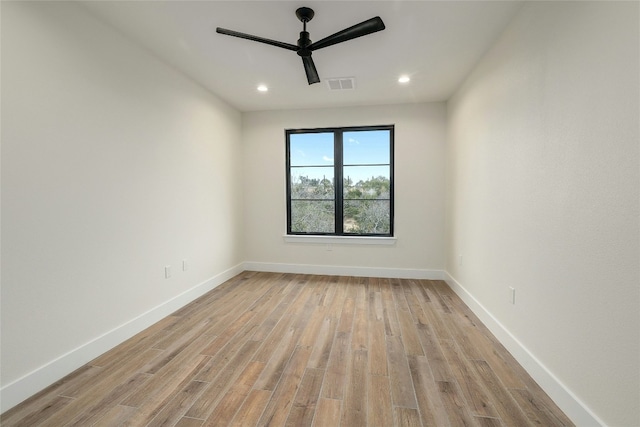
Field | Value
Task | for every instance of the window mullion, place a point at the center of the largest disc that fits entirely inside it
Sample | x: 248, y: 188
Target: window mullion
x: 288, y: 178
x: 337, y: 155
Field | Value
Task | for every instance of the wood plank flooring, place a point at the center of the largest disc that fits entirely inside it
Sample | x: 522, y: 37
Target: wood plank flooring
x: 268, y: 349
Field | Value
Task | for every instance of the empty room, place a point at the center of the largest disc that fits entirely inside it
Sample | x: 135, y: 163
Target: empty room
x: 322, y: 213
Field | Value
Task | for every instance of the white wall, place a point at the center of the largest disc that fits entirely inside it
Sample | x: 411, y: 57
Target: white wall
x: 113, y: 166
x: 543, y: 195
x: 419, y: 192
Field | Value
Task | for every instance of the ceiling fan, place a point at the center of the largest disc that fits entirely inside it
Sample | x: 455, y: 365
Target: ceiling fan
x: 305, y: 46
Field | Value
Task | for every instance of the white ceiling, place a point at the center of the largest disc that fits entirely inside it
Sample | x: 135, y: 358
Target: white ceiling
x: 436, y: 43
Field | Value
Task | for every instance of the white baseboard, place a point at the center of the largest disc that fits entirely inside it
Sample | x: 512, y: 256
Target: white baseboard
x: 572, y: 406
x: 335, y: 270
x: 33, y: 382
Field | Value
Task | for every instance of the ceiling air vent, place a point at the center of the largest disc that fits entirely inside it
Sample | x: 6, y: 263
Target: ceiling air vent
x: 342, y: 83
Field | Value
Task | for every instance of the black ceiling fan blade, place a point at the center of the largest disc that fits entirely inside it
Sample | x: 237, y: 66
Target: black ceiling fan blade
x: 310, y: 69
x: 257, y: 39
x: 362, y: 29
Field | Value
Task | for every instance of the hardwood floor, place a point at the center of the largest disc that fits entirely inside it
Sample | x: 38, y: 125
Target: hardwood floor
x: 301, y: 350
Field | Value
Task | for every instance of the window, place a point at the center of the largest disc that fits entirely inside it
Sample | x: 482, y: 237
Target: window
x: 340, y: 181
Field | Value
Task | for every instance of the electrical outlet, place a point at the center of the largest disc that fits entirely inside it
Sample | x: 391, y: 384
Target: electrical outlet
x: 167, y: 271
x: 460, y: 260
x: 512, y: 295
x: 185, y: 266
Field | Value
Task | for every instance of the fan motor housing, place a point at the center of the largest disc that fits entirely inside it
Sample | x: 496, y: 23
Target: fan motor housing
x: 303, y: 42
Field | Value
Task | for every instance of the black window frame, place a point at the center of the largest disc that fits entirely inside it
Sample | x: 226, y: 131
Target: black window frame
x: 338, y: 178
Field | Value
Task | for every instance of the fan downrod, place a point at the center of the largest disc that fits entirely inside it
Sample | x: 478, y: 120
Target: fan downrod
x: 305, y: 14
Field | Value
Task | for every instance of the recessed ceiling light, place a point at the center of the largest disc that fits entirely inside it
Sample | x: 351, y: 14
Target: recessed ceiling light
x: 404, y: 79
x: 262, y: 88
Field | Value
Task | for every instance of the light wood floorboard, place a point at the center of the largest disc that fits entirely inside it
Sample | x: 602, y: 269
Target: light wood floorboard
x: 270, y: 349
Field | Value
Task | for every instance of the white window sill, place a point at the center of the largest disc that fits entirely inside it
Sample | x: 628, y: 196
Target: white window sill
x: 340, y: 240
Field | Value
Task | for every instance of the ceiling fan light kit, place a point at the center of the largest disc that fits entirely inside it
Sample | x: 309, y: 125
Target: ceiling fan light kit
x: 305, y: 47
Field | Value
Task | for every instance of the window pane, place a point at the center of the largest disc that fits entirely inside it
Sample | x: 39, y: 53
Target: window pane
x: 367, y: 216
x: 311, y: 149
x: 312, y: 216
x: 367, y: 182
x: 312, y: 183
x: 366, y: 147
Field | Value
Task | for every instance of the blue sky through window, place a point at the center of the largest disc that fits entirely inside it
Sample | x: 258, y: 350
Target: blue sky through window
x: 311, y: 149
x: 366, y: 147
x: 359, y: 148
